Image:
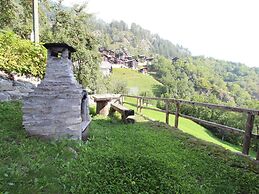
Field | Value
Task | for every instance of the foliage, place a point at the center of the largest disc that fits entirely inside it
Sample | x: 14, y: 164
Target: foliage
x: 119, y: 87
x: 135, y: 40
x: 70, y: 25
x: 212, y: 81
x: 21, y: 56
x: 57, y: 24
x: 16, y: 16
x: 159, y: 161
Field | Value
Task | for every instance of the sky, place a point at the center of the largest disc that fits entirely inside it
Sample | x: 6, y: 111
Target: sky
x: 223, y: 29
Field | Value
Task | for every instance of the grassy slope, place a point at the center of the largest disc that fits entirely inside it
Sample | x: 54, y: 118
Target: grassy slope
x: 145, y: 83
x: 142, y: 83
x: 186, y: 126
x: 141, y: 158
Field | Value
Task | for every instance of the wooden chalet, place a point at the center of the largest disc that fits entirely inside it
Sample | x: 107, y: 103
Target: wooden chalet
x: 143, y: 70
x: 175, y: 59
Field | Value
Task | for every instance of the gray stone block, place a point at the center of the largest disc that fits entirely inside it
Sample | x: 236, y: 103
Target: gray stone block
x: 22, y: 89
x: 15, y: 95
x: 4, y: 96
x: 6, y: 85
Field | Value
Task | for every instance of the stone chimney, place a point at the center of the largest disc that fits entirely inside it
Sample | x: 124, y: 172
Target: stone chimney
x: 53, y: 109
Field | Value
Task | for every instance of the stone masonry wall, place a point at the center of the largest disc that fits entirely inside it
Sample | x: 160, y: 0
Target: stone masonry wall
x: 17, y: 88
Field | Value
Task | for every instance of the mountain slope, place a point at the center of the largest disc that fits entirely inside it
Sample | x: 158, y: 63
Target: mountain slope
x: 136, y: 39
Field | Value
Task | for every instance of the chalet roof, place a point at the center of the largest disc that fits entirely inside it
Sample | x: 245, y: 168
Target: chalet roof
x: 149, y: 58
x: 105, y: 65
x: 175, y: 58
x: 108, y: 56
x: 141, y: 68
x: 101, y: 49
x: 59, y: 45
x: 129, y: 60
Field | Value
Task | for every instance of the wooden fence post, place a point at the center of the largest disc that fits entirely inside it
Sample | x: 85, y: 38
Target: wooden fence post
x: 248, y: 133
x: 167, y: 112
x: 137, y: 104
x: 177, y: 114
x: 141, y: 100
x: 257, y: 143
x: 257, y: 154
x: 122, y: 100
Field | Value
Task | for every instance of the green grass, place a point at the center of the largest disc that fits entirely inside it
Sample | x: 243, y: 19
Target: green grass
x: 137, y: 83
x: 146, y: 157
x: 188, y: 126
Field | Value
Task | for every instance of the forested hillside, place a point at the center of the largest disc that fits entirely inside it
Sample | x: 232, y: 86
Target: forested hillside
x: 135, y: 39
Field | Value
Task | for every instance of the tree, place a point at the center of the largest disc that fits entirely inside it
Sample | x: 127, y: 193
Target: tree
x: 8, y: 13
x: 71, y: 25
x: 17, y: 16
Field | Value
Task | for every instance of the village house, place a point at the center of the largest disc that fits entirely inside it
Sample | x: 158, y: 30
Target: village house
x: 120, y: 58
x: 106, y: 67
x: 143, y: 70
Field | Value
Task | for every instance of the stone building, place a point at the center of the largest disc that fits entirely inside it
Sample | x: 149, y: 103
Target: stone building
x: 106, y: 68
x: 54, y: 109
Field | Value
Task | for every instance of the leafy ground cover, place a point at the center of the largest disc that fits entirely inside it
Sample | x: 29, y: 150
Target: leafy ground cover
x: 137, y: 83
x: 21, y: 56
x: 146, y: 157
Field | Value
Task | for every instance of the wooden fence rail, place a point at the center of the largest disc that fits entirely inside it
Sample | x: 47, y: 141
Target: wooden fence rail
x: 247, y: 134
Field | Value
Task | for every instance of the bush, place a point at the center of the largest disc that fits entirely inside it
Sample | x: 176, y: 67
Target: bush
x: 21, y: 56
x: 119, y: 87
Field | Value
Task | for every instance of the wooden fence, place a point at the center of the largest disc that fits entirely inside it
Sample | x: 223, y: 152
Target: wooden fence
x: 247, y: 134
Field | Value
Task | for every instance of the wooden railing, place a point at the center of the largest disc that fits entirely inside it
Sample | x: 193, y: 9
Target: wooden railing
x: 251, y: 113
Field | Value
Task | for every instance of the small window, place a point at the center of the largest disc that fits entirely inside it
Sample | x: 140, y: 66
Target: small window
x: 56, y: 54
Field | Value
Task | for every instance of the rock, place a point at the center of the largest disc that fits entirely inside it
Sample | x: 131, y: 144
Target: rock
x: 23, y: 84
x: 15, y: 95
x: 6, y: 85
x: 14, y: 89
x: 22, y: 89
x: 4, y: 96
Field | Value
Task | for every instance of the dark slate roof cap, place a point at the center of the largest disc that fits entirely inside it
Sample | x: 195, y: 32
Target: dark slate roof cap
x: 59, y: 45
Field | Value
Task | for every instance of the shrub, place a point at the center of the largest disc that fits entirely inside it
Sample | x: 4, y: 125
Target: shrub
x: 119, y: 87
x: 21, y: 56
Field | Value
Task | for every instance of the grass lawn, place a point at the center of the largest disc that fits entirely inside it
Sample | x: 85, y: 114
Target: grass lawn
x: 136, y: 82
x: 146, y: 157
x: 188, y: 126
